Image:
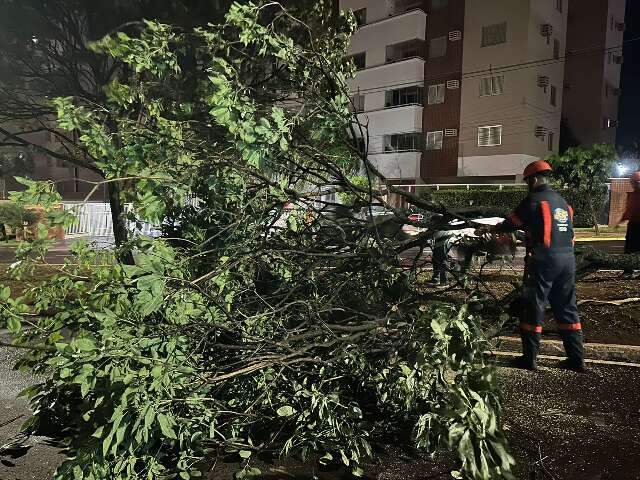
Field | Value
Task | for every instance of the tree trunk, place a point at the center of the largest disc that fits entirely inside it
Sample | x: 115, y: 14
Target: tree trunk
x: 595, y: 219
x: 120, y: 233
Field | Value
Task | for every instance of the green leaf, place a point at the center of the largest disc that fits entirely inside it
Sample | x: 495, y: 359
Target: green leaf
x: 77, y: 473
x: 5, y: 294
x: 285, y: 411
x: 165, y: 427
x: 98, y: 432
x: 149, y: 416
x: 84, y: 344
x: 13, y: 324
x: 244, y: 453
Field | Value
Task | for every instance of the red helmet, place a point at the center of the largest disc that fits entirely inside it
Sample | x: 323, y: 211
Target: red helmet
x: 635, y: 177
x: 536, y: 167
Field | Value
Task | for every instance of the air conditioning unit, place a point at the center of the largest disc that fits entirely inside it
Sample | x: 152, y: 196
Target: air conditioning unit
x: 543, y: 81
x: 455, y: 35
x: 541, y: 132
x: 546, y: 30
x: 453, y: 84
x: 620, y: 26
x: 618, y: 59
x: 451, y: 132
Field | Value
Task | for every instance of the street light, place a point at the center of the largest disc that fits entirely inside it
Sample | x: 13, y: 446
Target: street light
x: 622, y: 169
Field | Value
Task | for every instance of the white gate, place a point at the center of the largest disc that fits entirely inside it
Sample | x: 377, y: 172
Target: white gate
x: 94, y: 219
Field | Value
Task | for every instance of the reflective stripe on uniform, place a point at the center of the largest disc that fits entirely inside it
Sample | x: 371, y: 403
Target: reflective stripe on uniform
x: 569, y: 326
x: 527, y: 327
x: 546, y: 223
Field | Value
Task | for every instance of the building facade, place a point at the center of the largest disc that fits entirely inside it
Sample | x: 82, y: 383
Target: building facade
x: 595, y: 32
x: 452, y: 89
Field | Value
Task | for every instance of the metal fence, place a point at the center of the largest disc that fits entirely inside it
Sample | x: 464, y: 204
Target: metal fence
x: 94, y: 219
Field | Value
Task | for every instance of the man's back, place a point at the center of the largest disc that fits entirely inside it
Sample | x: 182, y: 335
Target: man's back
x: 548, y: 220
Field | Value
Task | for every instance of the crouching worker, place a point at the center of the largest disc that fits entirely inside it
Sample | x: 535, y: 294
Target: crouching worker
x: 548, y: 221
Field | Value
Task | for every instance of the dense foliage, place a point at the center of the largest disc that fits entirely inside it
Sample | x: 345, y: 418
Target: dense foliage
x: 239, y: 332
x: 502, y: 202
x: 586, y: 172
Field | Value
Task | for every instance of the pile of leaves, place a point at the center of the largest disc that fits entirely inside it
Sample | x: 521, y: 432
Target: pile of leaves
x: 242, y: 331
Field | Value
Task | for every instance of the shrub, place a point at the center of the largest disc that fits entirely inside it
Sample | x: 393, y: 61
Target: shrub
x: 503, y: 201
x: 15, y: 216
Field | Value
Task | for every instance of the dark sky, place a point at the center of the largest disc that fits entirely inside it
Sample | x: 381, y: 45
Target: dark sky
x: 629, y: 116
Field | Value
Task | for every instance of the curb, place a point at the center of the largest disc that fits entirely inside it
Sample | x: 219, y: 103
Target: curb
x: 600, y: 352
x: 600, y: 239
x: 553, y: 357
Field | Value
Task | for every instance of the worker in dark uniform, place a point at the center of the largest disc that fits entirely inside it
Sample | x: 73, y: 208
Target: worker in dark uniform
x: 548, y: 222
x: 632, y: 215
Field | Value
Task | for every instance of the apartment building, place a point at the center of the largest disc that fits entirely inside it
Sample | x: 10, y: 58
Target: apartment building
x: 452, y: 89
x: 595, y: 36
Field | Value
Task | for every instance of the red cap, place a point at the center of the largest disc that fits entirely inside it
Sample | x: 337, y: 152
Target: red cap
x: 536, y: 167
x: 635, y: 177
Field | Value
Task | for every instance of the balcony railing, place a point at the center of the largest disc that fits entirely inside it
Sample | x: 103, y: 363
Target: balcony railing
x: 400, y: 6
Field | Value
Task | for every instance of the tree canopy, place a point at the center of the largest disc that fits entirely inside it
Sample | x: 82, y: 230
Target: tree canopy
x: 586, y: 170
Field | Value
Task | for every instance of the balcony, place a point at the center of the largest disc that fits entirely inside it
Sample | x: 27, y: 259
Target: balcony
x: 398, y: 165
x: 398, y: 7
x: 402, y: 119
x: 374, y: 38
x: 406, y: 72
x: 405, y: 50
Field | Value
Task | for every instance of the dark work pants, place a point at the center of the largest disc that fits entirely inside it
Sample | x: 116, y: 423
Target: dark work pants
x: 551, y: 278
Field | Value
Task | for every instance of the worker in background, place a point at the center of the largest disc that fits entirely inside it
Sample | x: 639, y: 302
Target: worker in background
x: 548, y: 222
x: 441, y: 244
x: 632, y: 215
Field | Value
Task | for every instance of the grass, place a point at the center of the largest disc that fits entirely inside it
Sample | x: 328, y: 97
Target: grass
x: 605, y: 232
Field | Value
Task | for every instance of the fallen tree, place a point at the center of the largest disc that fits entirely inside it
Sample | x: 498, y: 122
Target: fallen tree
x: 243, y: 331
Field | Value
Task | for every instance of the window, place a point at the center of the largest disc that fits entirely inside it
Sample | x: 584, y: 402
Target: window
x: 439, y: 4
x: 492, y: 86
x: 404, y: 96
x: 438, y: 47
x: 435, y: 94
x: 554, y: 95
x: 434, y: 140
x: 361, y: 16
x: 559, y: 5
x: 494, y: 34
x: 550, y: 141
x: 556, y: 49
x: 490, y: 136
x: 403, y: 142
x: 401, y: 51
x: 360, y: 60
x: 357, y: 103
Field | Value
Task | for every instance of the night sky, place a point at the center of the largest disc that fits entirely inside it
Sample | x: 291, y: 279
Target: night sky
x: 629, y: 131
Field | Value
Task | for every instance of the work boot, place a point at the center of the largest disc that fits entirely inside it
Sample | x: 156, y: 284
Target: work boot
x: 524, y: 363
x: 571, y: 364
